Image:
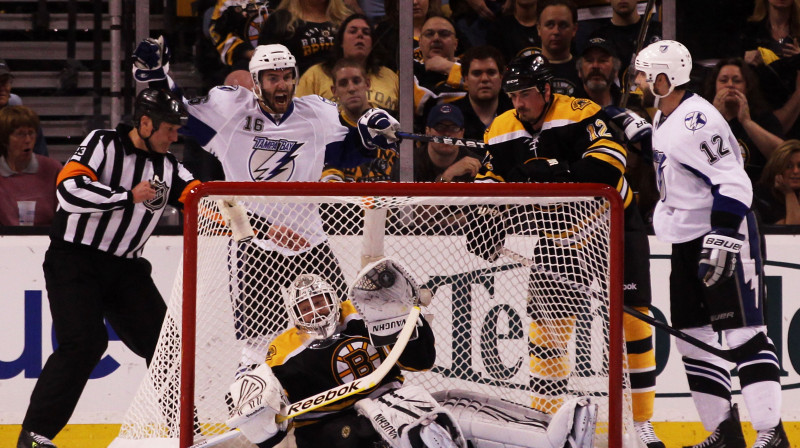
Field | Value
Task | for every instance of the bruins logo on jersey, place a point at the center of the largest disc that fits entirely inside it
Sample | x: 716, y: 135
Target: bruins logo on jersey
x: 355, y: 358
x: 580, y: 103
x: 273, y: 159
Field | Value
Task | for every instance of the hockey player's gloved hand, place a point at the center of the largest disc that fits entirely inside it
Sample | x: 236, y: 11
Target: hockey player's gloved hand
x: 539, y: 170
x: 258, y: 398
x: 151, y: 60
x: 718, y: 256
x: 486, y: 232
x: 378, y: 129
x: 636, y: 128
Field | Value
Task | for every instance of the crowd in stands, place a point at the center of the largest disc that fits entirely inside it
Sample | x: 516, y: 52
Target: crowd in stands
x: 461, y: 48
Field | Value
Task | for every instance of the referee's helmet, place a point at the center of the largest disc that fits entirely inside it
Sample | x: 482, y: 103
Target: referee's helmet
x: 526, y: 72
x: 160, y: 106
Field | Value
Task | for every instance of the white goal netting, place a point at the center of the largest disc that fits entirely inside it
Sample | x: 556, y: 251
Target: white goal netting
x: 531, y: 326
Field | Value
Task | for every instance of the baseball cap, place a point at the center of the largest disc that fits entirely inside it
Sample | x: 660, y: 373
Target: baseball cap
x: 4, y: 70
x: 445, y: 112
x: 601, y: 43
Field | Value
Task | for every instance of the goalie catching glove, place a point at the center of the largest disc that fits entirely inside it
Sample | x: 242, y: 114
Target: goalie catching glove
x: 258, y: 397
x: 378, y: 129
x: 718, y: 256
x: 409, y: 417
x: 151, y: 60
x: 383, y: 294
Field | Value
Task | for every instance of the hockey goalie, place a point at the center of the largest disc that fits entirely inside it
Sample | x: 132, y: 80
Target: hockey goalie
x: 335, y: 342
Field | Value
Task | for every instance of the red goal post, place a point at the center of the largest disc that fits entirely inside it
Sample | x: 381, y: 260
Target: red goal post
x: 584, y: 220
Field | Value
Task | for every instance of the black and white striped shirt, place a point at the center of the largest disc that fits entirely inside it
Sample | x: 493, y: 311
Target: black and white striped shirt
x: 95, y: 202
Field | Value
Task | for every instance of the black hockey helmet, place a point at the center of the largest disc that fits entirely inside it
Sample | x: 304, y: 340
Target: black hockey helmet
x: 528, y: 71
x: 160, y: 106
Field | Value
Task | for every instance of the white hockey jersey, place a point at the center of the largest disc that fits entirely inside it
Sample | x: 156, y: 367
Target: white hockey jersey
x: 699, y: 168
x: 230, y: 124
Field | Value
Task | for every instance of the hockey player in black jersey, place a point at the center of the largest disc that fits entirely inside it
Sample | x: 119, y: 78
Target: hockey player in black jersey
x: 549, y: 137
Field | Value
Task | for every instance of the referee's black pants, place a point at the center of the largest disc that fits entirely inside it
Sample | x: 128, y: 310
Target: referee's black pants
x: 84, y: 286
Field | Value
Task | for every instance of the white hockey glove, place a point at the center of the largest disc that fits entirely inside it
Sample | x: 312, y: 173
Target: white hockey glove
x: 409, y: 417
x: 718, y: 257
x: 151, y: 60
x: 636, y: 128
x: 486, y: 232
x: 235, y: 216
x: 378, y: 129
x: 384, y: 293
x: 258, y: 397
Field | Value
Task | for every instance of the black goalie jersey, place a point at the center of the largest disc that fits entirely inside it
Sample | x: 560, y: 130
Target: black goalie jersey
x: 306, y: 367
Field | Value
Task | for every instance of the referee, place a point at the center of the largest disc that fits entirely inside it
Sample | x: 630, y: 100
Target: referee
x: 111, y: 195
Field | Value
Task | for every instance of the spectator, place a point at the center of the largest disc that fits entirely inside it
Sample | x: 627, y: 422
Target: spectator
x: 732, y: 88
x: 234, y: 30
x: 306, y: 27
x: 386, y: 33
x: 770, y: 45
x: 777, y: 194
x: 514, y: 33
x: 482, y: 69
x: 558, y: 24
x: 598, y: 67
x: 351, y: 86
x: 9, y: 99
x: 110, y: 198
x: 438, y: 75
x: 24, y: 176
x: 373, y: 9
x: 473, y: 18
x: 438, y: 162
x: 353, y: 41
x: 622, y: 30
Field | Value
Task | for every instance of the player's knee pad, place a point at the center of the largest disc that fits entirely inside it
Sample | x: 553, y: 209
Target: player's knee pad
x: 705, y: 334
x: 738, y: 336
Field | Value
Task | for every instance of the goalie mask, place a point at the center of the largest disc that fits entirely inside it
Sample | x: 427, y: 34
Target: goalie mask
x: 313, y: 306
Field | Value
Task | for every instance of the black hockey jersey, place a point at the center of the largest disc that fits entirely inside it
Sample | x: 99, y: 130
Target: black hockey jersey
x: 306, y: 367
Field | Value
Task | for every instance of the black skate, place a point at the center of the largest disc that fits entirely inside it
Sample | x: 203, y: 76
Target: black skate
x: 648, y: 435
x: 772, y: 438
x: 28, y: 439
x: 727, y: 435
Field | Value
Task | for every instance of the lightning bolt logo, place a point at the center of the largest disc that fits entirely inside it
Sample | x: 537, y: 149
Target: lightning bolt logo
x: 273, y: 159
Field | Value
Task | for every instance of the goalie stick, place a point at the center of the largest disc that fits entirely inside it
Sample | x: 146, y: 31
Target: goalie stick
x: 337, y: 393
x: 736, y: 355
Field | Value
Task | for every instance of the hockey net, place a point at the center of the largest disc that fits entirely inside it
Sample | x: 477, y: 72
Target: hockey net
x: 538, y: 325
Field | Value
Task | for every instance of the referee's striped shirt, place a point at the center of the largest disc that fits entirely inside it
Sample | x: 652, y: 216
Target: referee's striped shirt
x: 95, y: 202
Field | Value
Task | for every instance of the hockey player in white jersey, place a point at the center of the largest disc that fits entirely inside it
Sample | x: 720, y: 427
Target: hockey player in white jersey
x: 265, y: 134
x: 716, y: 282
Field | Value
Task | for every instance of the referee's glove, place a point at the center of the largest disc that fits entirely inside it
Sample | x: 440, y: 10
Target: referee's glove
x: 718, y: 256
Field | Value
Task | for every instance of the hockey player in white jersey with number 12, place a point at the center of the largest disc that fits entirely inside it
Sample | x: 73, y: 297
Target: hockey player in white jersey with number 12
x: 266, y: 134
x: 716, y: 282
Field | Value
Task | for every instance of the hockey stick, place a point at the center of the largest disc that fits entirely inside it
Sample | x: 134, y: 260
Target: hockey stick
x: 736, y: 355
x: 631, y: 75
x: 744, y: 352
x: 466, y: 142
x: 329, y: 396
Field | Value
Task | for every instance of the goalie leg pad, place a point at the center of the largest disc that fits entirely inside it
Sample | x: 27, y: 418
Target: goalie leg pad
x: 384, y: 293
x: 489, y: 422
x: 409, y: 417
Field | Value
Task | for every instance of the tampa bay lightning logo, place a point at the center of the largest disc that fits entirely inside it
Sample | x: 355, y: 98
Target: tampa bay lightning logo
x: 694, y: 121
x: 273, y: 159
